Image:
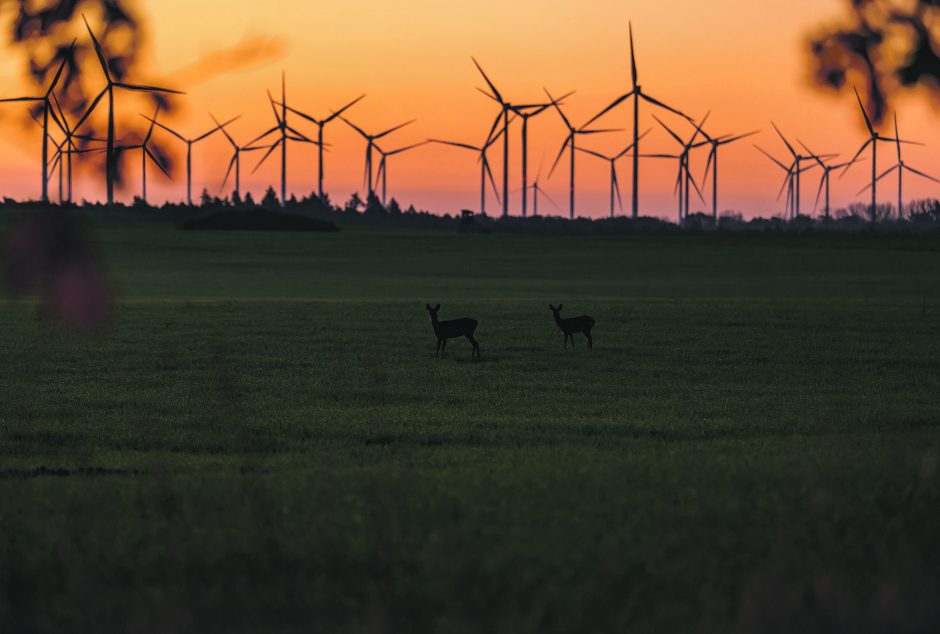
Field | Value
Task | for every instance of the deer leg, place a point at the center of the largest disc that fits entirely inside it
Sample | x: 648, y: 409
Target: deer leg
x: 476, y: 347
x: 444, y: 348
x: 438, y: 353
x: 566, y: 341
x: 587, y: 333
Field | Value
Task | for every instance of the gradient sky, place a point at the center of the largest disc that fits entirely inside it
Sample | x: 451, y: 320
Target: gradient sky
x: 744, y: 60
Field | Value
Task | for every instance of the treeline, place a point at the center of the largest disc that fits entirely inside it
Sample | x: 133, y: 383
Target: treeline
x: 920, y: 216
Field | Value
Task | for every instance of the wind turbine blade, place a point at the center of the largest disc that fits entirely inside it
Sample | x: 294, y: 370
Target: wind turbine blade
x: 21, y: 99
x: 153, y: 123
x: 228, y: 172
x: 617, y: 190
x: 91, y: 109
x: 558, y: 108
x: 633, y: 71
x: 735, y: 139
x: 784, y: 139
x: 781, y: 165
x: 157, y: 163
x: 897, y: 136
x: 268, y: 133
x: 561, y: 153
x: 883, y: 174
x: 277, y: 115
x: 496, y: 93
x: 395, y: 129
x: 593, y: 153
x: 144, y: 88
x: 160, y: 125
x: 407, y: 148
x: 656, y: 102
x: 266, y: 155
x: 489, y: 173
x: 786, y: 182
x: 299, y: 136
x: 488, y: 96
x: 614, y: 104
x: 58, y: 73
x: 921, y: 174
x: 630, y: 147
x: 855, y: 158
x: 356, y: 128
x: 669, y: 130
x: 215, y: 129
x: 697, y: 190
x: 871, y: 130
x: 339, y: 112
x: 708, y: 165
x: 822, y: 182
x: 224, y: 131
x: 98, y: 51
x: 456, y: 144
x: 812, y: 155
x: 605, y: 131
x: 490, y: 138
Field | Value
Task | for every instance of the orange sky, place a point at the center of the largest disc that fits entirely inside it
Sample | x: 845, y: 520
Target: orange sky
x: 742, y: 59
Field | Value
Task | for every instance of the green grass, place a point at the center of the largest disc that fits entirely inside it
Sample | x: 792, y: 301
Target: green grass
x: 263, y: 440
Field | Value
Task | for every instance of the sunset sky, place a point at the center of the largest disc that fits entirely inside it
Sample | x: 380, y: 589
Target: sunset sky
x: 744, y: 60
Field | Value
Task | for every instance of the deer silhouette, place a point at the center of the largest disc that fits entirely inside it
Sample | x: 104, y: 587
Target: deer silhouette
x: 572, y: 326
x: 445, y: 330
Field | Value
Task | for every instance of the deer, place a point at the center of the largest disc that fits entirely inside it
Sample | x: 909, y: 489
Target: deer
x: 570, y: 327
x: 445, y: 330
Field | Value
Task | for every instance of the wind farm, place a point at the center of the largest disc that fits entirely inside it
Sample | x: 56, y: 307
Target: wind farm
x: 486, y: 319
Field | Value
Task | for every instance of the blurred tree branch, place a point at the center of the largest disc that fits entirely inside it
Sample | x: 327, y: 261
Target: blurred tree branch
x: 45, y: 32
x: 887, y: 45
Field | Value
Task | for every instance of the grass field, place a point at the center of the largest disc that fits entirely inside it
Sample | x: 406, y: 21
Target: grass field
x: 263, y: 440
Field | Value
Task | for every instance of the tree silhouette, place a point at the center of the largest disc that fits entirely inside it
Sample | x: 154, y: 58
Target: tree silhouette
x: 885, y: 45
x: 44, y: 32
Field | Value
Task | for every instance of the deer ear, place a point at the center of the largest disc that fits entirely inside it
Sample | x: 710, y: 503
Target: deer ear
x: 438, y: 307
x: 560, y: 306
x: 428, y: 306
x: 550, y: 307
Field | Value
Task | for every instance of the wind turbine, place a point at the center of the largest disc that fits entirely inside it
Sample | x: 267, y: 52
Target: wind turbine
x: 638, y: 95
x: 236, y: 162
x: 370, y: 146
x: 614, y: 181
x: 570, y: 142
x: 485, y: 171
x: 537, y: 189
x: 900, y: 166
x: 716, y: 144
x: 797, y: 170
x: 788, y: 182
x: 109, y: 91
x: 47, y: 111
x: 383, y: 164
x: 824, y: 181
x: 146, y: 153
x: 525, y: 112
x: 321, y: 124
x: 189, y: 149
x: 71, y: 148
x: 283, y: 127
x: 873, y: 139
x: 504, y: 114
x: 684, y: 181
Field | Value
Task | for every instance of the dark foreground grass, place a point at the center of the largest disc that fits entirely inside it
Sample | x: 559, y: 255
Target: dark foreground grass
x: 264, y: 442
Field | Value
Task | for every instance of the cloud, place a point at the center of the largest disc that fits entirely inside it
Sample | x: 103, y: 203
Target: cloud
x: 251, y: 51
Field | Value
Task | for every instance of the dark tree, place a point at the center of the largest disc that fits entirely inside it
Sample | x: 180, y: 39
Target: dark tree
x: 884, y: 46
x: 43, y: 32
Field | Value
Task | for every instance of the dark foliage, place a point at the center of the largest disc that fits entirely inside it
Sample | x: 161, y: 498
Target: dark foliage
x: 887, y: 45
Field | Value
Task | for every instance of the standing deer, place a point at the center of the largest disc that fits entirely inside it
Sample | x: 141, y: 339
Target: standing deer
x: 445, y: 330
x: 573, y: 326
